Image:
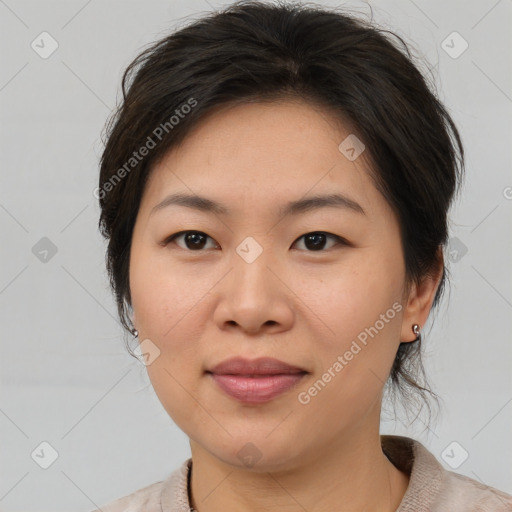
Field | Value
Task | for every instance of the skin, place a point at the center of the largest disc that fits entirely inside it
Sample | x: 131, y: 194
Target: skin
x: 304, y: 307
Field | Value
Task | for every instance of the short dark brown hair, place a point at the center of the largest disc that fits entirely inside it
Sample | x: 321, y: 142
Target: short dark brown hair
x: 254, y: 51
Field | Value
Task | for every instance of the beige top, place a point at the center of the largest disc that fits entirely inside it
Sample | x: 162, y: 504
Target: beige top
x: 431, y: 487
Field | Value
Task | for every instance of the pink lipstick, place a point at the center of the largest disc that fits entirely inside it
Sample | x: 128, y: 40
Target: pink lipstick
x: 256, y: 381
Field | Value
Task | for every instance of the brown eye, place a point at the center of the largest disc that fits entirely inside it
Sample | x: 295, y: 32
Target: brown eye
x: 191, y: 240
x: 317, y: 240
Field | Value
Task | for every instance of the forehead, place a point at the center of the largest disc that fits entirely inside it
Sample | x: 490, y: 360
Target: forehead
x: 264, y: 152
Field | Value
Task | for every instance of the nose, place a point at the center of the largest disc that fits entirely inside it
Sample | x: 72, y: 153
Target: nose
x: 254, y: 298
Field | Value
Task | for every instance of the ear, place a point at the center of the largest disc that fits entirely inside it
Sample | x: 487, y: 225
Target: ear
x: 419, y: 298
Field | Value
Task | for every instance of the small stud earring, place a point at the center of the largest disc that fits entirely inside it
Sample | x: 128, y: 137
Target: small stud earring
x: 416, y: 331
x: 135, y: 333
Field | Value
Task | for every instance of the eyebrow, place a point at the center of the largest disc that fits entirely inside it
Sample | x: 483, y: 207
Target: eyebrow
x: 293, y: 207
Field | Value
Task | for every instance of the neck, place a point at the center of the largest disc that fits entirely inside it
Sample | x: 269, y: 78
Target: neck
x: 352, y: 474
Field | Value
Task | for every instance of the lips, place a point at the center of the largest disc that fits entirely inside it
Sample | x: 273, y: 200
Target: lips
x: 255, y: 381
x: 254, y: 367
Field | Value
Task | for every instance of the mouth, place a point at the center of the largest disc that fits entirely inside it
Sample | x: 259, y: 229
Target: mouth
x: 252, y: 367
x: 256, y: 389
x: 255, y: 381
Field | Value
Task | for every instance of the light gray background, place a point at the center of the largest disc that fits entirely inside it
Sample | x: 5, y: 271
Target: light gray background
x: 65, y: 376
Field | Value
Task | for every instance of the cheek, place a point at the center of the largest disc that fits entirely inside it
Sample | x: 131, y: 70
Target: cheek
x: 162, y: 295
x: 361, y: 318
x: 170, y: 307
x: 353, y: 297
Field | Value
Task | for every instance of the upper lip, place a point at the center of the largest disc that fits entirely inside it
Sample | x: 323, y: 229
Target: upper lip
x: 260, y: 366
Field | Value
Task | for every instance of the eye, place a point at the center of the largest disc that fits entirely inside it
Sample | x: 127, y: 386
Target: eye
x: 316, y: 240
x: 193, y: 240
x: 197, y: 240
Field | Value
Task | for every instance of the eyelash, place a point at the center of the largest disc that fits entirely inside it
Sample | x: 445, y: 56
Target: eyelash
x: 338, y: 239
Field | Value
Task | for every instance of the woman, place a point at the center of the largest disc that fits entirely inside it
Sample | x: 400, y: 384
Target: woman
x: 274, y: 189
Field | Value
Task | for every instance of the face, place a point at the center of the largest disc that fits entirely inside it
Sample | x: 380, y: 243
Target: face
x: 320, y: 287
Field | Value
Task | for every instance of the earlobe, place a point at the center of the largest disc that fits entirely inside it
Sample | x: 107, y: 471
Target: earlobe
x: 419, y: 302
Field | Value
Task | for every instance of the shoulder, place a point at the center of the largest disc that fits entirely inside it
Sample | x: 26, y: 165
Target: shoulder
x: 432, y: 488
x: 146, y: 499
x: 169, y: 495
x: 461, y: 493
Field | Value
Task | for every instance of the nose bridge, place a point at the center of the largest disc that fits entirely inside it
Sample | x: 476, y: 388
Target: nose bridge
x: 251, y: 273
x: 252, y: 293
x: 252, y: 297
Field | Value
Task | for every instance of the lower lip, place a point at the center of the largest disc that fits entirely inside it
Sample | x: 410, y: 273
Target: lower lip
x: 256, y: 390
